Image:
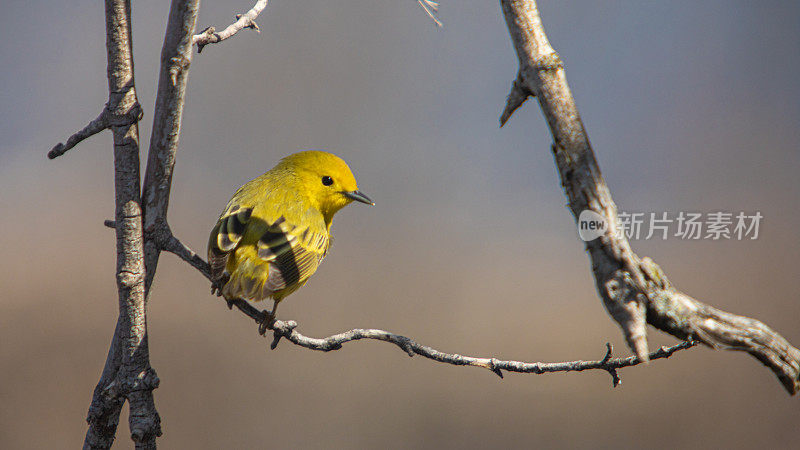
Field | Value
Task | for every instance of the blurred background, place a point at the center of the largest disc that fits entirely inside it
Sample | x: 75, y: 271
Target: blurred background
x: 690, y: 107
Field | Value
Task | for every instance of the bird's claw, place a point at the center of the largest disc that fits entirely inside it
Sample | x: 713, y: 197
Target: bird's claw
x: 266, y: 322
x: 216, y: 286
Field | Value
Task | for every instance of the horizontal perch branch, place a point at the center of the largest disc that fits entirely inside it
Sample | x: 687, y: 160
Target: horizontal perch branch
x: 286, y: 329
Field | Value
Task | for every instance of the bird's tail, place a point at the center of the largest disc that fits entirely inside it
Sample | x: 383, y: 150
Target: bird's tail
x: 247, y: 282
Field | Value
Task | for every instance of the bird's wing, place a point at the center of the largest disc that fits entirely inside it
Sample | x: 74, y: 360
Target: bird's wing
x: 225, y: 237
x: 294, y: 253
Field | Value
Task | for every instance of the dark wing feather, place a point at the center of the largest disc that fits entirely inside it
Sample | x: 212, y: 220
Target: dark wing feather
x: 224, y: 238
x: 294, y: 254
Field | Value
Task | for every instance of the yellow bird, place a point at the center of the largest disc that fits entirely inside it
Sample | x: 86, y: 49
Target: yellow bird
x: 275, y: 231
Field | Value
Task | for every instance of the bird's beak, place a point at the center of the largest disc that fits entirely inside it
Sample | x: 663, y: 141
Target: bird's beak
x: 359, y: 197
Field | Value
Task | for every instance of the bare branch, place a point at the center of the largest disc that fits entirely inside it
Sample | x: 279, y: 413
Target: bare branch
x: 176, y: 58
x: 106, y: 119
x: 127, y: 375
x: 430, y: 8
x: 634, y: 290
x: 173, y: 245
x: 286, y: 329
x: 246, y: 20
x: 95, y: 126
x: 408, y: 345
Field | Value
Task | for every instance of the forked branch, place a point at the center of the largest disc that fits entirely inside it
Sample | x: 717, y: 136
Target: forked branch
x: 105, y: 120
x: 634, y: 290
x: 246, y: 20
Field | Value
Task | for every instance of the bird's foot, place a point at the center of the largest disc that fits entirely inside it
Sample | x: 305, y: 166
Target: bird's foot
x: 216, y: 286
x: 266, y: 322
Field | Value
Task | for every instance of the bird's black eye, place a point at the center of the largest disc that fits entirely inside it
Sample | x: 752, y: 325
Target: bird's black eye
x: 327, y: 181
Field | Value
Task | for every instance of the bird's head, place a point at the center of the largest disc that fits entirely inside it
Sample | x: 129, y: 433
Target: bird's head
x: 326, y: 180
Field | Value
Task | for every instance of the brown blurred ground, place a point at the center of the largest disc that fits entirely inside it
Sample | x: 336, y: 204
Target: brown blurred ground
x: 470, y: 249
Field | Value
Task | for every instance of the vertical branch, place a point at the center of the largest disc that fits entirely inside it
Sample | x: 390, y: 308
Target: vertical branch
x: 176, y: 56
x: 127, y: 374
x: 128, y: 360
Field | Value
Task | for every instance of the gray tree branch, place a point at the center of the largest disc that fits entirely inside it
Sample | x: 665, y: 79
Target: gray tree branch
x: 286, y: 329
x: 105, y: 120
x: 246, y: 20
x: 127, y: 375
x: 634, y: 290
x: 95, y: 126
x: 176, y: 57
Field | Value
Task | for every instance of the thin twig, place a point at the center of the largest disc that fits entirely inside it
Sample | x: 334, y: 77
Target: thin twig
x: 95, y: 126
x: 176, y: 247
x: 105, y: 120
x: 246, y: 20
x: 430, y: 8
x: 286, y: 329
x: 408, y: 345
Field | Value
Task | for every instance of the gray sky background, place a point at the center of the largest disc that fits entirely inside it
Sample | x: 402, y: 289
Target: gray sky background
x: 690, y: 106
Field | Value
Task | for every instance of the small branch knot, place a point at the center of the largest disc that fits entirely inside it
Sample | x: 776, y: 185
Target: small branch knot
x: 615, y: 380
x: 251, y: 24
x: 493, y: 363
x: 516, y: 97
x: 146, y: 380
x: 604, y: 364
x: 407, y: 345
x: 280, y: 329
x: 134, y: 114
x: 609, y: 352
x: 128, y: 279
x: 178, y: 65
x: 206, y: 37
